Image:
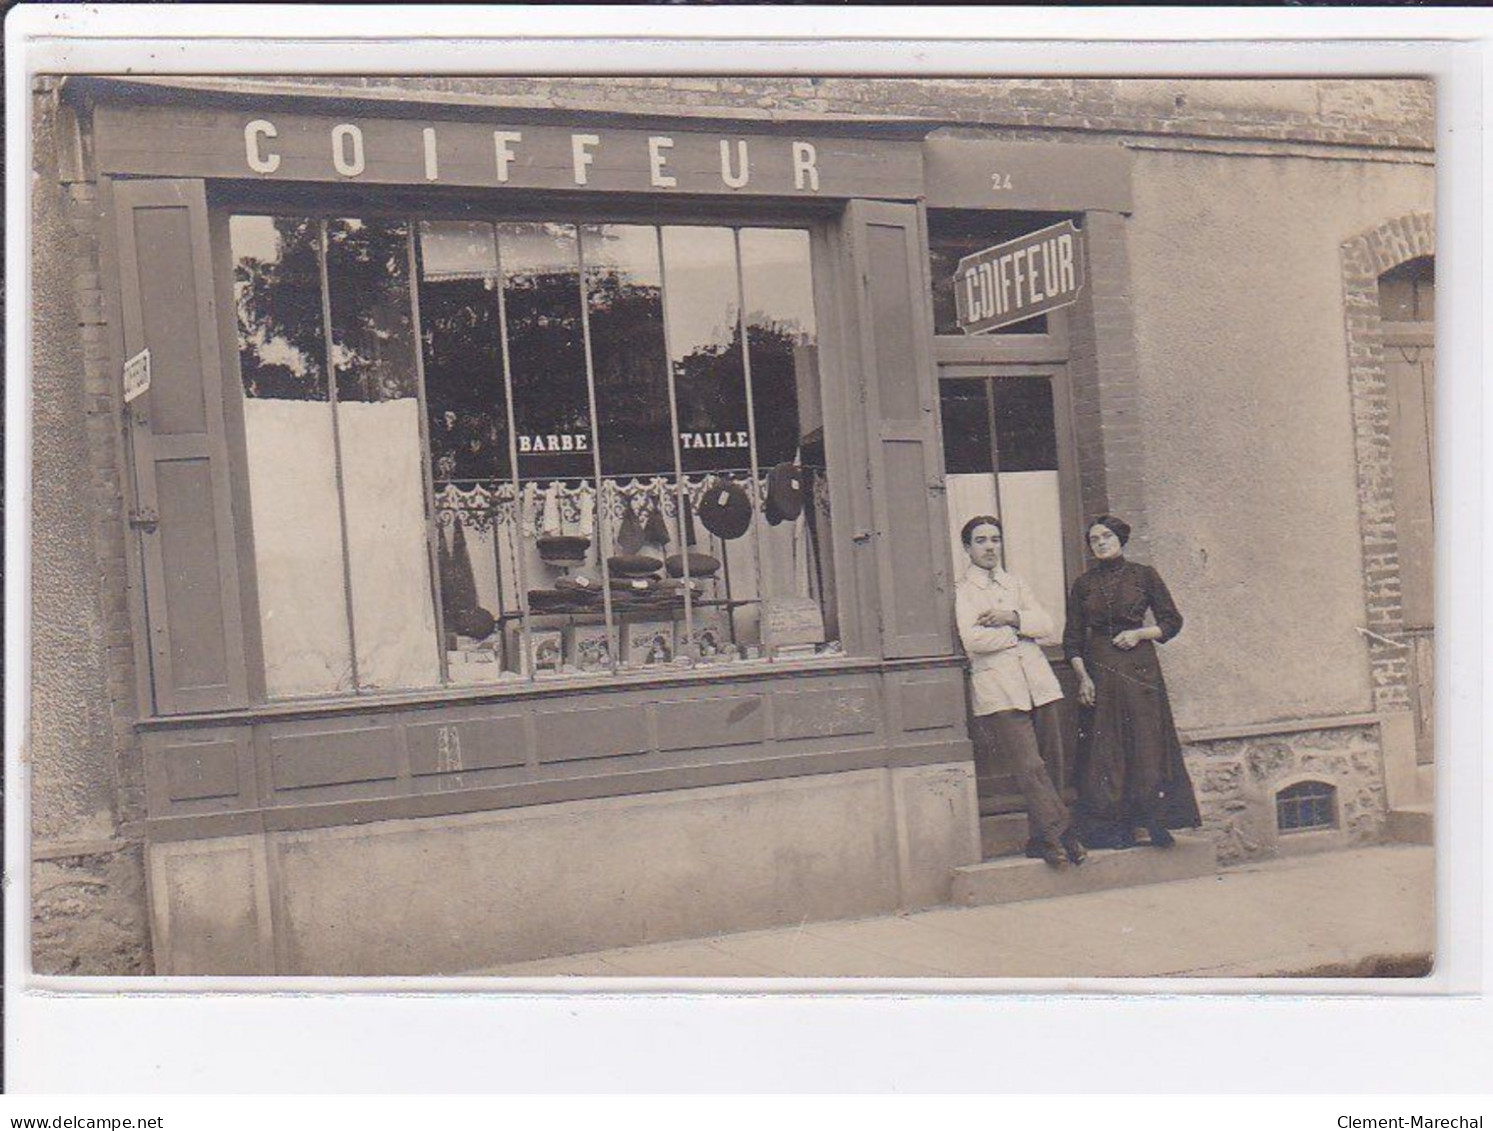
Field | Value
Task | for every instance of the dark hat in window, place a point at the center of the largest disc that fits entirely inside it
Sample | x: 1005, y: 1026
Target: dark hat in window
x: 785, y: 494
x: 725, y: 510
x: 656, y: 530
x: 559, y: 600
x: 476, y: 622
x: 563, y: 549
x: 633, y: 565
x: 700, y: 565
x: 630, y: 533
x: 676, y: 584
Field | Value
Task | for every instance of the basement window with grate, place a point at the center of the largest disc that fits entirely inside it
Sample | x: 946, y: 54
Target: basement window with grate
x: 1306, y: 805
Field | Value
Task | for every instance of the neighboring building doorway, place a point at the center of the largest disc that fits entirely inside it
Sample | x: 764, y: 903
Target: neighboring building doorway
x: 1407, y: 309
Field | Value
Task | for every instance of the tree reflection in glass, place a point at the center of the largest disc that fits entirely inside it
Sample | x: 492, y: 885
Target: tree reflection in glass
x: 288, y: 433
x: 378, y: 426
x: 467, y: 425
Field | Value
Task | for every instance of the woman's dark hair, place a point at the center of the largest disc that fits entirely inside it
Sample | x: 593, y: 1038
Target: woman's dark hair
x: 1118, y: 526
x: 968, y: 533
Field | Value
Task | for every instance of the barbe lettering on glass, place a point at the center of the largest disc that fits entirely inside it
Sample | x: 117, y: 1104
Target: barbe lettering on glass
x: 565, y: 442
x: 349, y: 153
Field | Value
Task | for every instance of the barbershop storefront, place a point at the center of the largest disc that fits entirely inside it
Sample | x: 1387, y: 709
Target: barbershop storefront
x: 541, y: 527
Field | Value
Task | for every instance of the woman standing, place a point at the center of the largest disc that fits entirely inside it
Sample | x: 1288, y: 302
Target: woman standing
x: 1014, y: 691
x: 1130, y: 770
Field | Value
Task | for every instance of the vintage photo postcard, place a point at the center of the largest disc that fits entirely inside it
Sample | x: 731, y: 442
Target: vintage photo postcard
x: 734, y: 527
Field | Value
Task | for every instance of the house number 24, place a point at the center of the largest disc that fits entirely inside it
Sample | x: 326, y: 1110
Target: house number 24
x: 1000, y: 182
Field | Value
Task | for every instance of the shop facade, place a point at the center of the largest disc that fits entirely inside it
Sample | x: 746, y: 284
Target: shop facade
x: 523, y: 530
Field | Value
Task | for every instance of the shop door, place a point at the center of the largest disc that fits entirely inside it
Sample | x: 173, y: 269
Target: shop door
x: 1407, y: 305
x: 1001, y: 458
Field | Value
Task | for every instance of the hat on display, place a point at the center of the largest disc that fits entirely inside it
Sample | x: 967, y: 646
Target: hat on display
x: 725, y: 510
x: 476, y: 622
x: 676, y: 584
x: 563, y: 549
x: 560, y: 600
x: 700, y: 565
x: 630, y: 532
x: 785, y: 495
x: 633, y: 565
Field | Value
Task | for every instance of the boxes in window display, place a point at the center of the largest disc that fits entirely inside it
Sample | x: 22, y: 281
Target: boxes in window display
x: 706, y: 638
x: 649, y: 643
x: 590, y: 647
x: 546, y: 650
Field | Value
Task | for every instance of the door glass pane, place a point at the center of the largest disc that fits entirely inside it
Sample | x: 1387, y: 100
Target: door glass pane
x: 290, y: 452
x: 953, y: 234
x: 378, y: 427
x: 1015, y: 477
x: 467, y: 420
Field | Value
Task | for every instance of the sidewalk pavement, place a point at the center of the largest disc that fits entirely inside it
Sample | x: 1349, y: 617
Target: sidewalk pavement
x: 1341, y: 913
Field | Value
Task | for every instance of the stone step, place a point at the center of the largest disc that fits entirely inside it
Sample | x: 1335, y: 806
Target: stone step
x: 1002, y: 834
x: 1412, y: 824
x: 1015, y: 878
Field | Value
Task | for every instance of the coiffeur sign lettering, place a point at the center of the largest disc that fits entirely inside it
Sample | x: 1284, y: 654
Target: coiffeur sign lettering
x: 274, y: 146
x: 1019, y: 279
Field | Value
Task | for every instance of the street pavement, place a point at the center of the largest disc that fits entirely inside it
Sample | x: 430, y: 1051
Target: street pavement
x: 1350, y: 913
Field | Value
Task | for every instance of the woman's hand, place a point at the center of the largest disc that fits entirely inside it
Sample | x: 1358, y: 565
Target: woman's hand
x: 1085, y: 689
x: 998, y: 618
x: 1132, y: 636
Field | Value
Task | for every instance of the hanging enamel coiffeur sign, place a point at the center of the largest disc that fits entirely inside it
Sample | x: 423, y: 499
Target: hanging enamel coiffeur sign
x: 1019, y: 279
x: 266, y: 144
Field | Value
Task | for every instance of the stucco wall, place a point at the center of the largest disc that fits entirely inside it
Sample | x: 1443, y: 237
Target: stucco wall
x: 70, y: 749
x: 1247, y: 425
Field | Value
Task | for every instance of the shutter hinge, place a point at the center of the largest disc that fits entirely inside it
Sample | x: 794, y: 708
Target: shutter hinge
x: 937, y: 486
x: 144, y: 519
x: 865, y: 536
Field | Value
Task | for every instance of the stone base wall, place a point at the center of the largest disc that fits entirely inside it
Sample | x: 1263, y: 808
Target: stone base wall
x: 444, y: 895
x: 89, y: 914
x: 1237, y: 780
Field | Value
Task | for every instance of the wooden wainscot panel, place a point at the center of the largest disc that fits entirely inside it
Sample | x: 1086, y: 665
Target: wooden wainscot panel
x: 592, y: 732
x: 216, y: 766
x: 344, y: 756
x: 826, y: 712
x: 700, y: 724
x: 931, y: 704
x: 450, y: 746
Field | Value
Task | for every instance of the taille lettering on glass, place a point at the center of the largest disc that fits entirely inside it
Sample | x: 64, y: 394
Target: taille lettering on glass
x: 348, y: 155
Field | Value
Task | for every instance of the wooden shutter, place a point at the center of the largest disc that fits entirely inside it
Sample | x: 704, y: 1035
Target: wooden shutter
x: 899, y: 390
x: 182, y: 514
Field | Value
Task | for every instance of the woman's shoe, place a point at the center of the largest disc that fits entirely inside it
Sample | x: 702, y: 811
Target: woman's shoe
x: 1160, y: 837
x: 1054, y: 857
x: 1077, y: 854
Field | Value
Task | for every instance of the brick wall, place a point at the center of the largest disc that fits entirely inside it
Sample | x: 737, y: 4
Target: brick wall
x: 1364, y: 259
x: 1391, y: 112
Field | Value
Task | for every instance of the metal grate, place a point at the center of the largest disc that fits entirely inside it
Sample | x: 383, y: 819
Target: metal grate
x: 1306, y: 805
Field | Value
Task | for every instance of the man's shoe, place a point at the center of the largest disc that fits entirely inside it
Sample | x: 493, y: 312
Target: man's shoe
x: 1054, y: 857
x: 1077, y: 854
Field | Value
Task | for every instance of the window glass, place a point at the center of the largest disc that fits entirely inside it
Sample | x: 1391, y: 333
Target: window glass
x: 380, y: 453
x: 614, y: 482
x: 290, y: 449
x: 546, y: 350
x: 467, y: 424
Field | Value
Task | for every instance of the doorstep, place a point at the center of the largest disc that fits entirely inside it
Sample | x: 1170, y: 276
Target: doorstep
x: 1412, y: 824
x: 1012, y: 879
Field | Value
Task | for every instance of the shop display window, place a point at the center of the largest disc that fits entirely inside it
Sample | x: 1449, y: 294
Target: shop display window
x: 488, y: 451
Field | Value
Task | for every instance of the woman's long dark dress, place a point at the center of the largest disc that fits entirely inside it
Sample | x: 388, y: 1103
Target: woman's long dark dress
x: 1129, y: 767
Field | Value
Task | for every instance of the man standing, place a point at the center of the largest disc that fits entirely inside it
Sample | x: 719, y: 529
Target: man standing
x: 1014, y: 690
